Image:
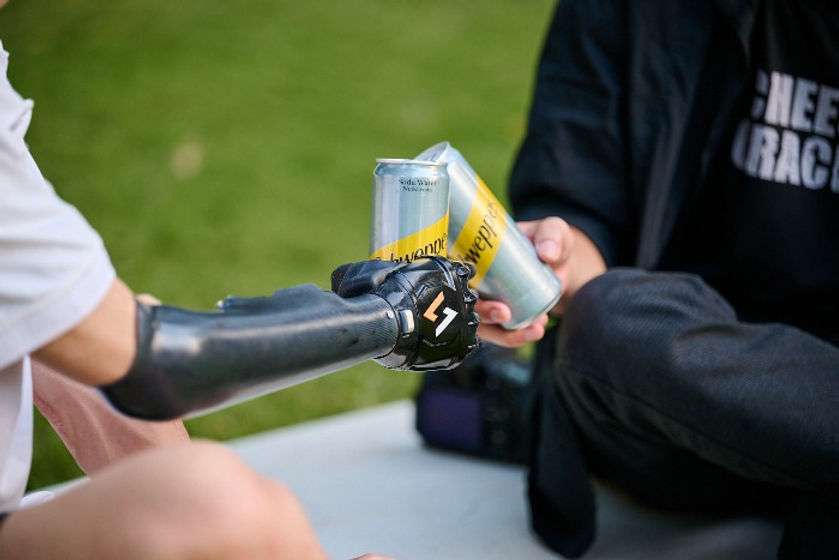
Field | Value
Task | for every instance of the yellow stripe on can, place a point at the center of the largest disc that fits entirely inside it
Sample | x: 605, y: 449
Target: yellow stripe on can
x: 429, y: 241
x: 484, y: 230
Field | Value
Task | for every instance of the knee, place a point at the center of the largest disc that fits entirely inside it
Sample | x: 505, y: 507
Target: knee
x: 598, y: 298
x: 223, y: 509
x: 245, y: 514
x: 629, y: 315
x: 592, y: 320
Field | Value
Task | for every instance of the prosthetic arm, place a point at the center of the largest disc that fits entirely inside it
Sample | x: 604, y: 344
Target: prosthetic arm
x: 416, y: 316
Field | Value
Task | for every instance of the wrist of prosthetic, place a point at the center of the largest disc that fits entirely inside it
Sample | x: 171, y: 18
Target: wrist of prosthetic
x: 432, y: 301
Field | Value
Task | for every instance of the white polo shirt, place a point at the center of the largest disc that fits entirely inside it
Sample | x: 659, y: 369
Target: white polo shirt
x: 54, y: 270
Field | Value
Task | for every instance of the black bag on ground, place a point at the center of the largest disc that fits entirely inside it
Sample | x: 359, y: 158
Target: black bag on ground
x: 479, y: 408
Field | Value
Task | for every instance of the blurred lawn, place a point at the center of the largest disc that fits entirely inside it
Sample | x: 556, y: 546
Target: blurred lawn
x: 227, y: 147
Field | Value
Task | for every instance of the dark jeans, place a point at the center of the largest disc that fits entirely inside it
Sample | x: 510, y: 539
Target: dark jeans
x: 654, y: 385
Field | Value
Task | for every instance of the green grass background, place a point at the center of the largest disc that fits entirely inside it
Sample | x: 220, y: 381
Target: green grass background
x: 227, y: 147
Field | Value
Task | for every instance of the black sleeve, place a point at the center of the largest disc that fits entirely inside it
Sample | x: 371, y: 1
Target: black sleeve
x: 572, y: 163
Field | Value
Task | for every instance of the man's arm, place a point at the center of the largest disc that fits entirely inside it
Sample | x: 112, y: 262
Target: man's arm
x: 569, y: 181
x: 100, y: 348
x: 574, y: 258
x: 409, y: 316
x: 573, y: 161
x: 161, y: 362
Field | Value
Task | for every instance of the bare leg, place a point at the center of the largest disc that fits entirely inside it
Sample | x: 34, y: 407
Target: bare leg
x: 190, y: 501
x: 94, y: 433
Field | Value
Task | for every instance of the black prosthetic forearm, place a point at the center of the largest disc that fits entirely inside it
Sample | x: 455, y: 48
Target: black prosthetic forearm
x: 416, y: 316
x: 188, y: 361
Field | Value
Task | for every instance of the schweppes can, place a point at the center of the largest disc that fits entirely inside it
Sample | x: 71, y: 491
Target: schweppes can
x: 410, y: 210
x: 482, y: 232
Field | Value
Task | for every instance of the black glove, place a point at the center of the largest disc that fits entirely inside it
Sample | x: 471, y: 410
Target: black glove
x: 433, y: 304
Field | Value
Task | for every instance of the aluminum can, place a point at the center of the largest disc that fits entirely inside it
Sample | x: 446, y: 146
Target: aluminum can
x: 410, y: 210
x: 482, y: 232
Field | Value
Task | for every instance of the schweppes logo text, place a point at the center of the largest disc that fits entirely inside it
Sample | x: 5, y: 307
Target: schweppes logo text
x: 431, y: 240
x: 479, y: 240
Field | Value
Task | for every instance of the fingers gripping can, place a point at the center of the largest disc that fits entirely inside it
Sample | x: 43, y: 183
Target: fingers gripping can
x: 410, y: 210
x: 482, y: 232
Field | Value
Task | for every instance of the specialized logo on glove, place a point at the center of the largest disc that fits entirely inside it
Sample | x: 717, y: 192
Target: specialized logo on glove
x: 440, y: 317
x: 431, y: 314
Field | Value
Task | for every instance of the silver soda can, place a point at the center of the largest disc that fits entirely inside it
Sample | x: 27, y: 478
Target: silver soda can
x: 482, y: 232
x: 410, y: 210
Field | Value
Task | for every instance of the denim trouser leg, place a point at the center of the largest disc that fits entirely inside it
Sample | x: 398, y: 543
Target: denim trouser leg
x: 668, y: 395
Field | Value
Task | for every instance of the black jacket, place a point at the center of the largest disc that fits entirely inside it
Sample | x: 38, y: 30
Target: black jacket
x: 632, y: 102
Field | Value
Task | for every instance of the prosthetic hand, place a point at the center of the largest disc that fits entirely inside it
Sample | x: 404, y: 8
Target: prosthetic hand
x: 416, y: 316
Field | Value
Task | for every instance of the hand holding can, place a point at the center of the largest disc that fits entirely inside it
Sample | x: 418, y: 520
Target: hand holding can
x: 482, y: 232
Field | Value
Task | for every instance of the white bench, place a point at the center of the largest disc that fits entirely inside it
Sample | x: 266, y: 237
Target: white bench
x: 368, y: 485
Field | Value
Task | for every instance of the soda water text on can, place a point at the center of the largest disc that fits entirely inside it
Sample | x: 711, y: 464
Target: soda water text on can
x: 410, y: 210
x: 483, y: 233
